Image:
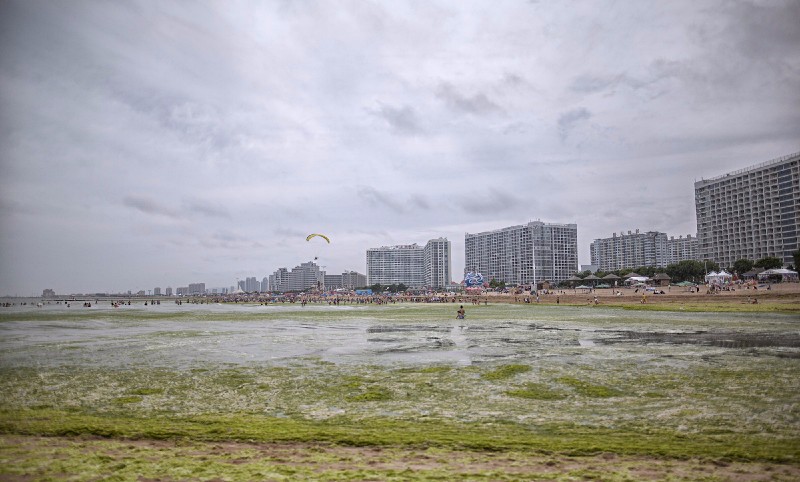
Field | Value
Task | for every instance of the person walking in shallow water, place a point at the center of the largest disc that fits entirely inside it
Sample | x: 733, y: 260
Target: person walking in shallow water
x: 461, y: 314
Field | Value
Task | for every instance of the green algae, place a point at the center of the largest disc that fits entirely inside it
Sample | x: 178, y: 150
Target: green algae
x: 536, y: 391
x: 505, y: 371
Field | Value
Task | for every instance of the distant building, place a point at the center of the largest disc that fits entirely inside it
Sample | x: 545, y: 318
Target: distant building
x: 751, y: 213
x: 252, y: 285
x: 412, y: 265
x: 352, y: 280
x: 197, y: 288
x: 437, y: 263
x: 305, y: 276
x: 156, y: 291
x: 182, y: 291
x: 48, y: 293
x: 681, y: 249
x: 635, y: 249
x: 524, y: 254
x: 168, y: 291
x: 279, y: 281
x: 264, y: 285
x: 333, y: 281
x: 398, y: 264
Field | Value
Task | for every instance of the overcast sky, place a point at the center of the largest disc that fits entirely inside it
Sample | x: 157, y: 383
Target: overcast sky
x: 154, y: 143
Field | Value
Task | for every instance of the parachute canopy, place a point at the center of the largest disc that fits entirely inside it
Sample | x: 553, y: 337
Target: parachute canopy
x: 308, y: 238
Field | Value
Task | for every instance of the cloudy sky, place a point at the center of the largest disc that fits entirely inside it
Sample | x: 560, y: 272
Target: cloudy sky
x: 148, y: 144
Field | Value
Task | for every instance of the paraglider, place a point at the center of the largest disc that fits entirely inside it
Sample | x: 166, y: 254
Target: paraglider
x: 308, y: 238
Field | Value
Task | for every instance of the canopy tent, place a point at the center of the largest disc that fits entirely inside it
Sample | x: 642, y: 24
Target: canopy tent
x: 752, y: 273
x: 583, y: 287
x: 778, y: 273
x: 592, y: 279
x: 718, y: 278
x: 574, y: 280
x: 630, y: 280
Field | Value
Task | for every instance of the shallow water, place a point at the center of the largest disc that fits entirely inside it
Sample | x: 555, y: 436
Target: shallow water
x: 184, y: 336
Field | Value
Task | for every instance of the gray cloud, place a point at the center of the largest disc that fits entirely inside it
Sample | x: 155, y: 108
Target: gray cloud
x: 242, y: 137
x: 568, y: 120
x: 378, y: 199
x: 206, y: 209
x: 478, y: 104
x: 402, y: 120
x: 494, y: 201
x: 148, y: 205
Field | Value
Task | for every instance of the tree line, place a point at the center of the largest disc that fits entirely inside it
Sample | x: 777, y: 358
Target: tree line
x: 695, y: 271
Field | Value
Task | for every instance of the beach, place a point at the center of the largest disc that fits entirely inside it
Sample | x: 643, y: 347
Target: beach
x: 404, y: 391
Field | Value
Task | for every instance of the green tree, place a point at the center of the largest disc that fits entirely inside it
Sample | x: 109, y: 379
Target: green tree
x: 494, y: 284
x: 742, y: 266
x: 690, y: 270
x: 376, y: 288
x: 648, y: 271
x: 402, y: 287
x: 770, y: 262
x: 796, y: 256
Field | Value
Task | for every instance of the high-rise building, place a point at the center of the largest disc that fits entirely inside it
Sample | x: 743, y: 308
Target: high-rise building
x: 352, y: 280
x: 251, y: 285
x: 197, y: 288
x: 168, y: 291
x: 398, y: 264
x: 681, y: 249
x: 333, y: 281
x: 630, y: 250
x: 156, y: 291
x: 279, y: 281
x: 306, y: 275
x: 751, y: 213
x: 437, y: 263
x: 264, y: 284
x: 524, y: 254
x: 410, y: 264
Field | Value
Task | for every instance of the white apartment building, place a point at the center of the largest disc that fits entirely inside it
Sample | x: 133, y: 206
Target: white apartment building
x: 411, y: 264
x: 352, y: 280
x: 197, y: 288
x: 306, y: 275
x: 681, y: 249
x: 438, y: 263
x: 279, y: 281
x: 635, y: 249
x: 525, y: 254
x: 751, y: 213
x: 389, y: 265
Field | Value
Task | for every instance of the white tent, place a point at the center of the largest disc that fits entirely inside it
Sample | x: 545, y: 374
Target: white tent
x: 636, y: 280
x: 720, y: 278
x: 784, y: 274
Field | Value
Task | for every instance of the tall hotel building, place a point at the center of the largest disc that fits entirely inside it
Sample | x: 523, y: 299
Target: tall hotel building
x: 524, y: 254
x: 634, y: 250
x: 411, y: 264
x: 751, y: 213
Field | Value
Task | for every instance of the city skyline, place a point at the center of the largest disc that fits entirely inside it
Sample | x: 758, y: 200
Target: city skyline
x: 157, y: 144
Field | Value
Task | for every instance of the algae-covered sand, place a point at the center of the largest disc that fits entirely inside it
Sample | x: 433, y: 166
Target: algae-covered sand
x: 512, y: 391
